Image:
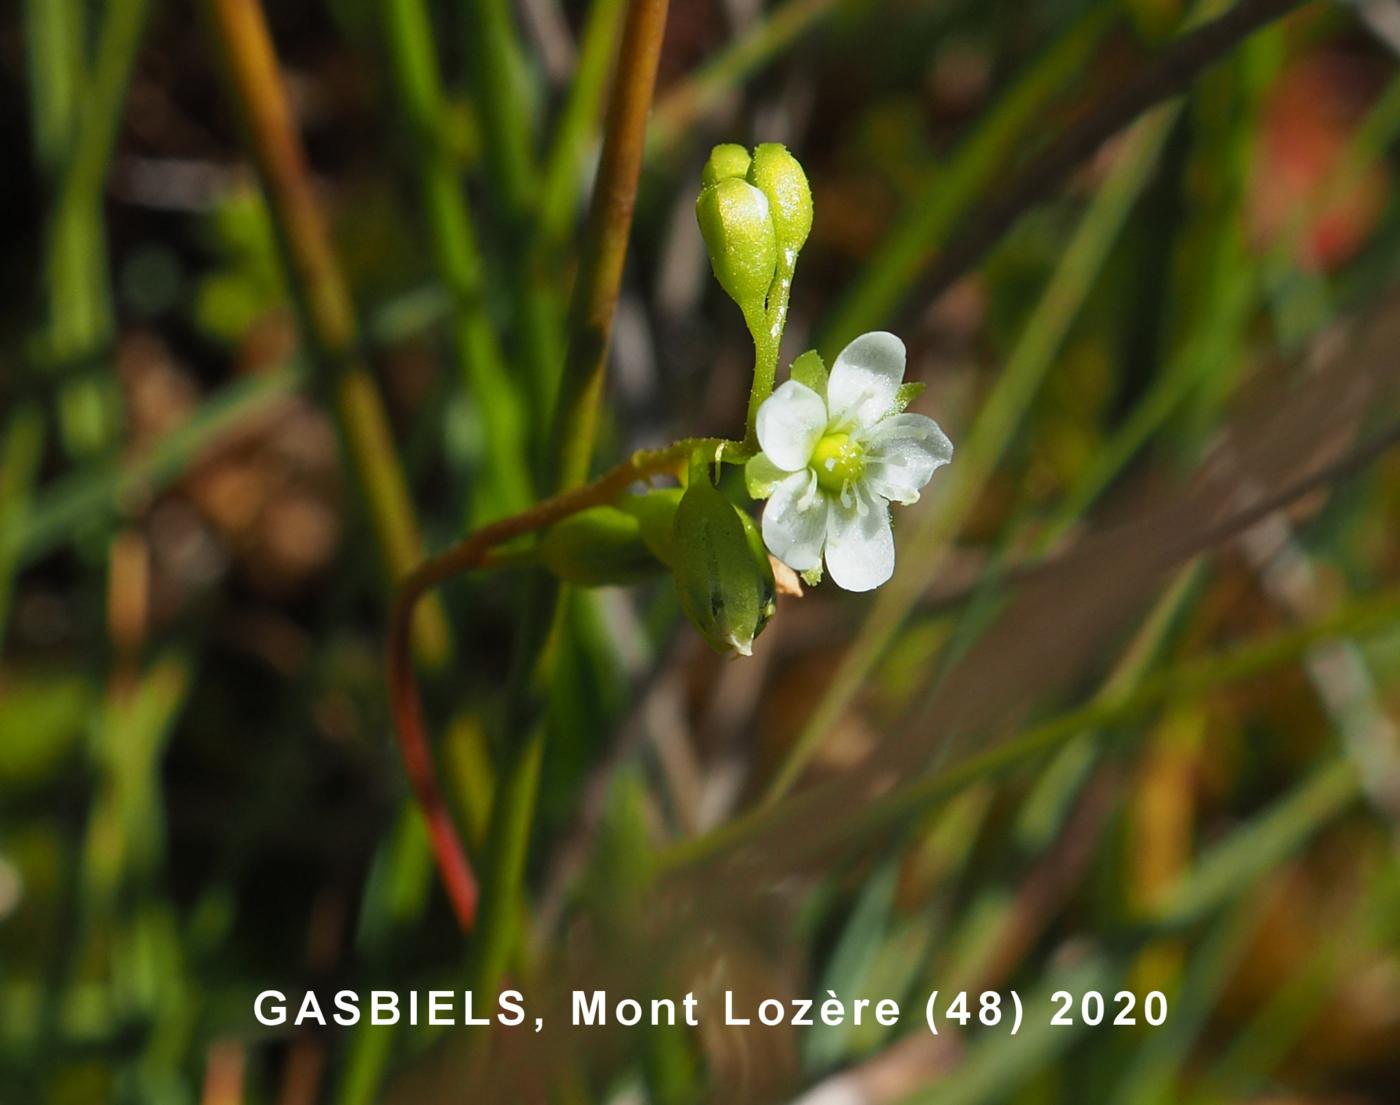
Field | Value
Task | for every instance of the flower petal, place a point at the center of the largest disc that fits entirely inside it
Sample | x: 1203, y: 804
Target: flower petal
x: 859, y: 541
x: 794, y: 522
x: 904, y: 451
x: 864, y: 383
x: 789, y: 423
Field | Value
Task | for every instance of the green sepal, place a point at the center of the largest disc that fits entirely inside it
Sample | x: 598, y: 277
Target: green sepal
x: 810, y: 370
x: 907, y: 393
x: 599, y: 547
x: 722, y: 573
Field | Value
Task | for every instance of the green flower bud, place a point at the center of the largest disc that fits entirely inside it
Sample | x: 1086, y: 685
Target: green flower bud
x: 738, y: 229
x: 598, y: 547
x: 728, y: 160
x: 777, y: 174
x: 721, y: 568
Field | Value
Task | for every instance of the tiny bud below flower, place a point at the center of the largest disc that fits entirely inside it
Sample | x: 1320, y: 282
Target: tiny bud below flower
x: 599, y: 547
x: 738, y: 230
x: 721, y: 568
x: 725, y: 161
x: 779, y: 176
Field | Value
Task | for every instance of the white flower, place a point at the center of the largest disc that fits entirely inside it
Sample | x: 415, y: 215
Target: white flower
x: 831, y: 464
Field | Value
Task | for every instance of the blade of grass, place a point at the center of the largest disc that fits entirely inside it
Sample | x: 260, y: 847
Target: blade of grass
x: 1164, y: 79
x: 53, y: 32
x: 448, y: 221
x: 240, y: 31
x: 575, y: 417
x: 919, y: 231
x: 1270, y: 1035
x: 998, y: 1062
x: 1273, y: 835
x: 21, y: 451
x: 497, y: 74
x: 80, y: 312
x: 1151, y: 1078
x: 578, y: 121
x: 1182, y: 683
x: 573, y: 431
x: 705, y: 89
x: 496, y: 69
x: 95, y: 495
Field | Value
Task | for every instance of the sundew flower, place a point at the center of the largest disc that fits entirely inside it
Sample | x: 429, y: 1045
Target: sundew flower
x: 835, y: 456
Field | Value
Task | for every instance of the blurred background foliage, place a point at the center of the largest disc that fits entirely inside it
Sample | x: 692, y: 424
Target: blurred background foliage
x: 1106, y: 728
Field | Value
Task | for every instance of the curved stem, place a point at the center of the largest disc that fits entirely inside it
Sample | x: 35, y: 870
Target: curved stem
x: 405, y: 702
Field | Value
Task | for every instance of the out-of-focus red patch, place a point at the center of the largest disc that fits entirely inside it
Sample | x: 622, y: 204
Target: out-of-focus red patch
x: 1308, y: 121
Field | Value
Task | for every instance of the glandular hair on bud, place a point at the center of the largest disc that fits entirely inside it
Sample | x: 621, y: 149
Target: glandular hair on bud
x: 725, y: 161
x: 599, y: 547
x: 721, y: 569
x: 779, y: 176
x: 737, y: 225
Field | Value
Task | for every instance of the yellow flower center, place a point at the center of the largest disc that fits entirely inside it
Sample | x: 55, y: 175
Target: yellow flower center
x: 837, y: 461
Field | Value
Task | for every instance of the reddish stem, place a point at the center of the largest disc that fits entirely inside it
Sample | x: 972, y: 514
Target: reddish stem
x: 405, y: 703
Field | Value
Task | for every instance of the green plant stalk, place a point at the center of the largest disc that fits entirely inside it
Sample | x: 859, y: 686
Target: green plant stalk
x: 53, y: 34
x: 497, y: 74
x: 1219, y: 292
x: 21, y: 451
x: 1270, y: 1035
x: 1277, y: 833
x: 578, y: 121
x: 1155, y: 1069
x: 496, y: 71
x: 80, y: 314
x: 559, y: 190
x: 1003, y: 412
x: 918, y: 232
x: 575, y: 418
x: 707, y: 88
x: 1306, y: 809
x: 418, y: 86
x: 1185, y: 682
x: 573, y: 426
x: 323, y: 298
x: 1047, y: 806
x: 100, y: 492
